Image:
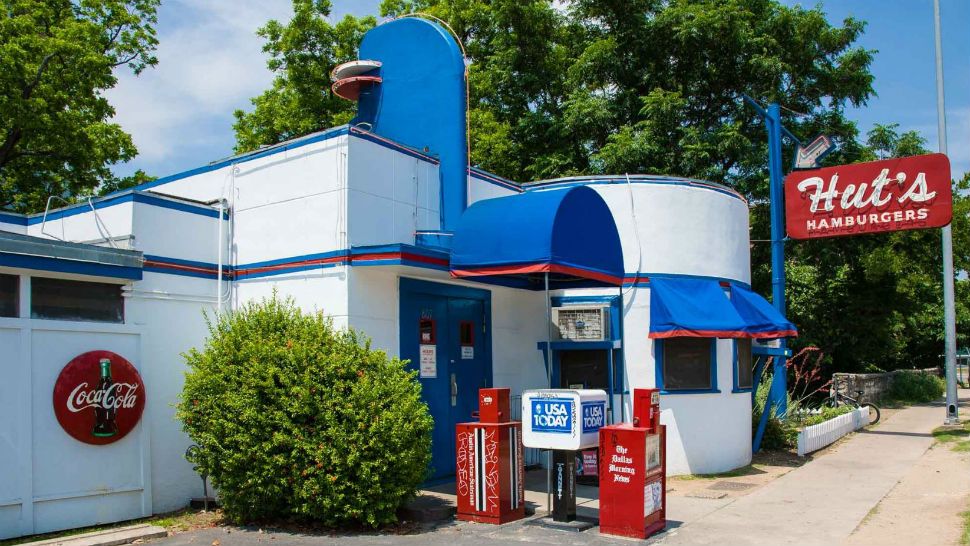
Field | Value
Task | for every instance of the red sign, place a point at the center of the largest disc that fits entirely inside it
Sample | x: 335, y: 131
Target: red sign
x: 889, y: 195
x: 99, y: 397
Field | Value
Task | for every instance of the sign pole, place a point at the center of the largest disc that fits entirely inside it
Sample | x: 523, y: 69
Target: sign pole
x: 778, y: 392
x: 778, y: 395
x: 949, y: 314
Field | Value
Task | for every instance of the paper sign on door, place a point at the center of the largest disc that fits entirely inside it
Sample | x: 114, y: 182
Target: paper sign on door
x: 467, y: 352
x: 428, y: 361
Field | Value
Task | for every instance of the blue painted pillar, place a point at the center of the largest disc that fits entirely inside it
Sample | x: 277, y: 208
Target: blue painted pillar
x: 777, y: 397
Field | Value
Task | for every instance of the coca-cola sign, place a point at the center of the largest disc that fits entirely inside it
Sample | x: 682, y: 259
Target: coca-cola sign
x: 890, y: 195
x: 99, y: 397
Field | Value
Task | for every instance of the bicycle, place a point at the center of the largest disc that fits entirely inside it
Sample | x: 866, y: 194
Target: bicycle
x: 837, y: 399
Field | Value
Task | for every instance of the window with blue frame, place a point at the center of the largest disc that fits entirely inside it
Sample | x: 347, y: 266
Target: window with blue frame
x: 686, y: 364
x: 743, y: 365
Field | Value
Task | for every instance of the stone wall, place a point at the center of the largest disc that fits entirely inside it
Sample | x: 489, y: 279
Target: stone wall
x: 872, y: 385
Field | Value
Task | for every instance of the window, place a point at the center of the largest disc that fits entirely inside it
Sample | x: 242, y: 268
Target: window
x: 466, y: 333
x: 60, y: 299
x: 9, y: 295
x: 686, y: 364
x: 743, y: 371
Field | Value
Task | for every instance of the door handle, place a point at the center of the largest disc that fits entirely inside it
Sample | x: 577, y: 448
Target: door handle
x: 454, y: 390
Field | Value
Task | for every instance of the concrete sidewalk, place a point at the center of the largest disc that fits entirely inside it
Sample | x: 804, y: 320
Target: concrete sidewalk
x: 825, y: 500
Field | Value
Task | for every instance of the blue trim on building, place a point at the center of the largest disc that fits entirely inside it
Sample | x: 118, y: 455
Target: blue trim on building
x: 658, y: 180
x: 256, y: 154
x: 45, y: 263
x: 13, y: 218
x: 495, y: 180
x: 128, y: 196
x: 390, y: 144
x: 658, y: 370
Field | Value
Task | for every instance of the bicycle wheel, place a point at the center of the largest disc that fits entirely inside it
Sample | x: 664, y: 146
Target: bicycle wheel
x: 874, y: 414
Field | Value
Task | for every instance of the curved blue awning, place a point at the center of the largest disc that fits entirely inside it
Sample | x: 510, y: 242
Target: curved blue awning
x: 701, y: 308
x: 568, y: 233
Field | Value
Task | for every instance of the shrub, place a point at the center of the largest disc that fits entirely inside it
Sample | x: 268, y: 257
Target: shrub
x: 827, y: 413
x: 297, y: 419
x: 915, y: 388
x: 779, y: 433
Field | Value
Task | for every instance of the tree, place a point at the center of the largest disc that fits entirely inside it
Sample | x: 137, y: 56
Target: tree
x: 302, y: 54
x: 57, y: 57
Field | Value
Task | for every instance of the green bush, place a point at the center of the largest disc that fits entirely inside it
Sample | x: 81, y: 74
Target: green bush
x: 296, y: 419
x: 916, y: 388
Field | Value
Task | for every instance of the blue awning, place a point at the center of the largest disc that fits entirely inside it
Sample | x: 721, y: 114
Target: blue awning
x: 692, y: 308
x: 568, y: 233
x: 701, y: 308
x: 761, y: 318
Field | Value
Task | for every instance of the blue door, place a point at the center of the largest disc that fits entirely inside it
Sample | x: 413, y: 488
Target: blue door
x: 444, y: 334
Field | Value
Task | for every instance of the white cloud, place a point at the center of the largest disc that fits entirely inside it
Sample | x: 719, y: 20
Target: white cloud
x: 210, y: 63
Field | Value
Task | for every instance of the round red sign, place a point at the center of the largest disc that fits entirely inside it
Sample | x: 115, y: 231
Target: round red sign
x: 99, y: 397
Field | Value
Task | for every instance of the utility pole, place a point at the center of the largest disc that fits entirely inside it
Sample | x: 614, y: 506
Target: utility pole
x: 949, y: 313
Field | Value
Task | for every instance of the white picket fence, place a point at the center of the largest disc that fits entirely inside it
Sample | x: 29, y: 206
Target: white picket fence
x: 818, y: 436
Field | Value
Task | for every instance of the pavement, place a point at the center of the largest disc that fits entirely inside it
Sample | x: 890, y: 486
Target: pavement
x: 826, y: 500
x: 874, y: 487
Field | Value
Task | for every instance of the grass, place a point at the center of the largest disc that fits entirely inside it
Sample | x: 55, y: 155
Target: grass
x: 958, y: 437
x: 181, y: 520
x: 965, y: 536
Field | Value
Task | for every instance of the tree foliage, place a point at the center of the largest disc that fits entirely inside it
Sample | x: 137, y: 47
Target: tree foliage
x: 302, y: 54
x: 57, y: 57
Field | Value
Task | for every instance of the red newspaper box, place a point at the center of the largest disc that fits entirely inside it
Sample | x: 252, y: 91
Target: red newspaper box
x: 489, y: 468
x: 646, y: 408
x: 633, y: 471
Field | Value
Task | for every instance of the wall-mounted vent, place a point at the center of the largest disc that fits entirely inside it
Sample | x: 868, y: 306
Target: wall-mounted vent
x: 582, y: 322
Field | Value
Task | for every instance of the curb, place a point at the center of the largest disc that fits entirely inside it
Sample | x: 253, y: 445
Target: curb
x: 108, y: 537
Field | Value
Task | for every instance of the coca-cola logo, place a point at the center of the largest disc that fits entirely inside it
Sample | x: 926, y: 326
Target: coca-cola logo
x: 98, y: 397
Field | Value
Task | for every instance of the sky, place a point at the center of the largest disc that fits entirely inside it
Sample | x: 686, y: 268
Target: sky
x: 210, y: 63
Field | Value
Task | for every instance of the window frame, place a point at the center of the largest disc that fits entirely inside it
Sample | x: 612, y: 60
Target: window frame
x: 737, y: 387
x: 659, y: 355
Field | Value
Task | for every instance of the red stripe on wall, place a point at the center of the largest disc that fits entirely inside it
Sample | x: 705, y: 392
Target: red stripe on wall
x: 536, y: 268
x: 722, y: 334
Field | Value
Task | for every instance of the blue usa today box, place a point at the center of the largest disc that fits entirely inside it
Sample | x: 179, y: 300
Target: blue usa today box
x: 567, y: 419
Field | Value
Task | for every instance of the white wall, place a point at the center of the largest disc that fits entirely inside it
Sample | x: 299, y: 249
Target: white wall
x: 13, y: 228
x: 479, y: 189
x: 682, y: 230
x: 116, y: 220
x: 685, y: 231
x: 391, y: 195
x: 518, y: 320
x: 48, y: 480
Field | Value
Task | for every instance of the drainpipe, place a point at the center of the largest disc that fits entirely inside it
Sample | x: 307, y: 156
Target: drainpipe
x: 222, y: 208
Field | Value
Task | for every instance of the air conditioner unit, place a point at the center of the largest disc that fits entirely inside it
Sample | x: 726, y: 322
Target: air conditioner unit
x: 582, y: 322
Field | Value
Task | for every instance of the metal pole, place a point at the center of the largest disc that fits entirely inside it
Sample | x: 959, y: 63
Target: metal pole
x: 949, y: 314
x: 549, y: 377
x: 779, y: 385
